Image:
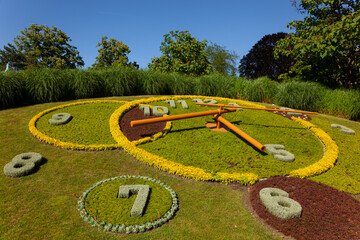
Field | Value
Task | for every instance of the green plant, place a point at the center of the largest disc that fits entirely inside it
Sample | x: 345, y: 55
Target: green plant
x: 215, y: 85
x: 12, y: 89
x: 300, y: 95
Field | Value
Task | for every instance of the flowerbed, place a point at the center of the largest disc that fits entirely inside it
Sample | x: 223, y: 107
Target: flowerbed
x: 101, y: 208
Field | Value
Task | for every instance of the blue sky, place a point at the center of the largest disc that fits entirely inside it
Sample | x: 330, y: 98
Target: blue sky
x: 140, y: 24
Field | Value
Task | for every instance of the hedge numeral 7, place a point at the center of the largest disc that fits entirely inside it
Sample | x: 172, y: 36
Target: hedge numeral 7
x: 142, y: 192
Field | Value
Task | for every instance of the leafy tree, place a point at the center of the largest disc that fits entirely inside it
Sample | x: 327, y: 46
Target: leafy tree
x: 42, y: 47
x: 113, y: 53
x: 10, y: 54
x: 182, y: 53
x: 326, y: 43
x: 222, y: 60
x: 260, y: 60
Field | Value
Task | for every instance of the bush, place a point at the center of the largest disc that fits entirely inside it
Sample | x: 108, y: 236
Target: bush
x: 342, y: 102
x: 46, y: 85
x: 300, y: 95
x: 120, y: 81
x: 262, y: 89
x: 215, y: 85
x: 88, y: 84
x: 181, y: 84
x: 11, y: 89
x: 155, y: 83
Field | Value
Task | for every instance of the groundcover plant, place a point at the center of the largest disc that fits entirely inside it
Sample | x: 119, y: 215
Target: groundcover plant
x: 187, y: 148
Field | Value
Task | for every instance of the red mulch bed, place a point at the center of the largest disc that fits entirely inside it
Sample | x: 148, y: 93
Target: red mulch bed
x: 141, y: 131
x: 327, y: 212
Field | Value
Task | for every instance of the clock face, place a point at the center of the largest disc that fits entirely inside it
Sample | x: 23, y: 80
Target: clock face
x: 191, y: 143
x: 190, y: 148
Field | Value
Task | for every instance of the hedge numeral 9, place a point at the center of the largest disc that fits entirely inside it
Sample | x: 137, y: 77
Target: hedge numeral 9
x: 60, y: 118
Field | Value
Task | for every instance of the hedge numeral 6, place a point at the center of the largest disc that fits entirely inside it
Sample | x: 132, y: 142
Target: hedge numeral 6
x: 22, y: 164
x: 279, y: 153
x: 278, y: 203
x: 142, y: 192
x: 60, y: 118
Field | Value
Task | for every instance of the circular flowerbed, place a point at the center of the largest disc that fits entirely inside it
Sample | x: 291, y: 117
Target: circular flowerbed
x: 102, y: 207
x: 169, y: 152
x: 327, y: 213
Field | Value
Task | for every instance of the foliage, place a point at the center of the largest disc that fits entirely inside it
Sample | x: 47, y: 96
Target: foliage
x: 260, y: 60
x: 222, y: 60
x: 325, y: 44
x: 10, y: 54
x: 42, y: 47
x: 11, y: 89
x: 342, y: 102
x: 300, y: 95
x: 113, y: 53
x: 182, y: 53
x: 215, y: 85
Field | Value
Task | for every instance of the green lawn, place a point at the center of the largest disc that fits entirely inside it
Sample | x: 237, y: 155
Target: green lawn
x: 43, y: 206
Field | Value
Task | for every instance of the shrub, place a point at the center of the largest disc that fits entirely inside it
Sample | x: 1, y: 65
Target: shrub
x: 154, y: 83
x: 88, y: 84
x: 46, y: 85
x: 262, y: 89
x: 300, y: 95
x: 215, y: 85
x: 181, y: 84
x: 343, y: 102
x: 120, y: 81
x: 11, y: 89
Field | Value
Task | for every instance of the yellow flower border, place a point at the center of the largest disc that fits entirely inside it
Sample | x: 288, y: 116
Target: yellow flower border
x: 329, y: 159
x: 67, y: 145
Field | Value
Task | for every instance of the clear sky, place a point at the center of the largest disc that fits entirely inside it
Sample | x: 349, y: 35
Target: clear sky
x: 141, y: 24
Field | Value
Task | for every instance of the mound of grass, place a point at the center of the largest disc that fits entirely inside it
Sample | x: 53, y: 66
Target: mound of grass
x: 89, y: 125
x: 192, y: 144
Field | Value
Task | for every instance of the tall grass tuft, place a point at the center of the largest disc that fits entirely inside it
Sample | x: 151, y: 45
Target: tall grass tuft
x: 155, y: 83
x: 300, y: 95
x: 46, y: 85
x: 11, y: 89
x: 262, y: 89
x: 215, y: 85
x: 88, y: 84
x: 342, y: 102
x: 120, y: 81
x: 181, y: 84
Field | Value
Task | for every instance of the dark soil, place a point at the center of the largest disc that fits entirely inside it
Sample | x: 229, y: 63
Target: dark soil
x: 141, y: 131
x: 327, y: 213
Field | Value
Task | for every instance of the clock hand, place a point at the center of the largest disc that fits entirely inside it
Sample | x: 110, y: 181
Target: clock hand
x: 267, y: 109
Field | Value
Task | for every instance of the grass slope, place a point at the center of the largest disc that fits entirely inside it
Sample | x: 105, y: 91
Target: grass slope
x: 42, y: 205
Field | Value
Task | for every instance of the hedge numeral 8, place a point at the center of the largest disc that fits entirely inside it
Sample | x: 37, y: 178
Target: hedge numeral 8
x: 278, y: 203
x: 22, y: 164
x: 142, y: 192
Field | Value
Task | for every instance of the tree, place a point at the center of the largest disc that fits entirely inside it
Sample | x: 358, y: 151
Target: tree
x: 11, y: 55
x: 42, y: 47
x: 182, y: 53
x: 113, y: 53
x: 325, y: 44
x: 260, y: 60
x: 221, y: 60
